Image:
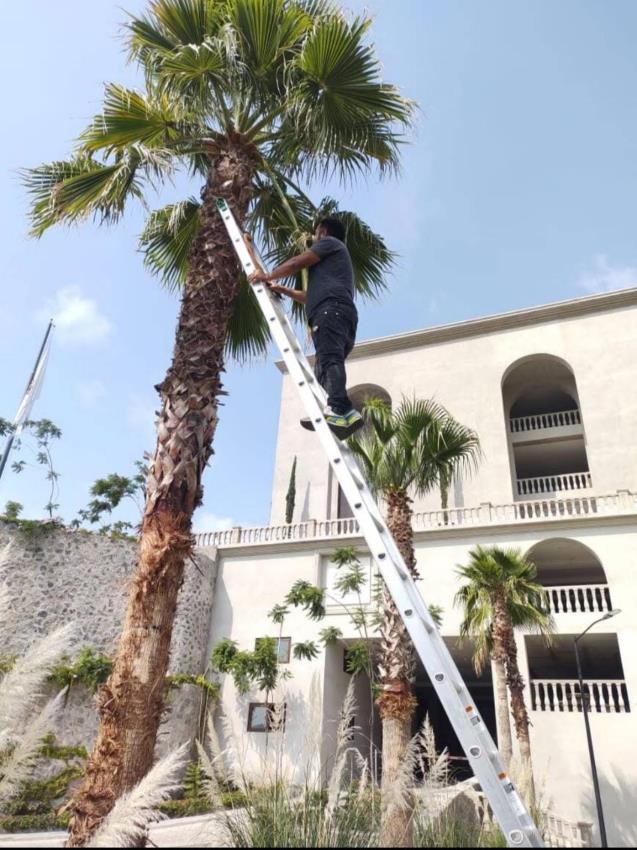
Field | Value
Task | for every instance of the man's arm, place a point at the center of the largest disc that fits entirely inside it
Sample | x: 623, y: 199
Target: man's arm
x: 289, y: 268
x: 294, y: 294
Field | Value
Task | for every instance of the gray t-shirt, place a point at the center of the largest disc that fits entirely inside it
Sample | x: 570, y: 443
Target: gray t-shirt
x: 332, y: 278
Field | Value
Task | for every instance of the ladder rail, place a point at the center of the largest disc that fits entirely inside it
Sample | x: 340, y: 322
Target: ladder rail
x: 481, y: 752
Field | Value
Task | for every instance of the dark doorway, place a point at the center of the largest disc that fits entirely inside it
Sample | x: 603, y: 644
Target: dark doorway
x: 481, y: 689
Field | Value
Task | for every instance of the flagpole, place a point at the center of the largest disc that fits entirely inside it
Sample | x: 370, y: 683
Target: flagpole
x: 11, y: 438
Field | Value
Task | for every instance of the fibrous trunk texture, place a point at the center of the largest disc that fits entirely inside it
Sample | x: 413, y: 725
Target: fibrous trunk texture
x: 132, y: 701
x: 505, y: 741
x: 396, y: 702
x: 505, y: 632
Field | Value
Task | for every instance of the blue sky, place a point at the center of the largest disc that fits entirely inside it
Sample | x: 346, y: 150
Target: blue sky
x: 518, y: 188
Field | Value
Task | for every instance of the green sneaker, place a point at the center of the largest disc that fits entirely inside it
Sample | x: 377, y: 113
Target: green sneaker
x: 344, y: 425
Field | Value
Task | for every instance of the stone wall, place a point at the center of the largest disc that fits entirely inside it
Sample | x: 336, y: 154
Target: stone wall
x: 60, y: 576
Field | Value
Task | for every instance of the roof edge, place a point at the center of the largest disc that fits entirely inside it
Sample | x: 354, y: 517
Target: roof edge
x: 553, y: 311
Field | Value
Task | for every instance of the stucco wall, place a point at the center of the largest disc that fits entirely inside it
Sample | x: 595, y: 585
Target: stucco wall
x: 67, y: 576
x: 252, y: 580
x: 465, y: 375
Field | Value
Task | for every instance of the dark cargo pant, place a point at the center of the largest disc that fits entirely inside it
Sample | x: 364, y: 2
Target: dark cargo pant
x: 333, y: 334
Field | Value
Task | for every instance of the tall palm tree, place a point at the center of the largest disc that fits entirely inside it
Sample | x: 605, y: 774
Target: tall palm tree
x: 500, y: 596
x: 251, y: 97
x: 404, y: 452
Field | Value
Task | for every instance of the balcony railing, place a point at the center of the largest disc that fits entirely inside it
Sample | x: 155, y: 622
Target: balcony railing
x: 558, y: 832
x: 580, y: 599
x: 575, y: 507
x: 541, y: 421
x: 546, y: 484
x: 605, y: 696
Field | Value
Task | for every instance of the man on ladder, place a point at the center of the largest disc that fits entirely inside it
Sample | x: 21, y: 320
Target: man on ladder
x: 479, y: 747
x: 331, y: 315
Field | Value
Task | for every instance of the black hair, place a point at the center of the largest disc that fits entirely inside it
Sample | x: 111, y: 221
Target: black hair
x: 334, y: 227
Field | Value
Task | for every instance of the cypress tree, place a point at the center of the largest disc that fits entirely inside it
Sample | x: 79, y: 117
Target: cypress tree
x: 290, y: 497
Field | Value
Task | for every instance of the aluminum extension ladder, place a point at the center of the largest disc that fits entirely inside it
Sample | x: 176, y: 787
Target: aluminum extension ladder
x: 483, y: 756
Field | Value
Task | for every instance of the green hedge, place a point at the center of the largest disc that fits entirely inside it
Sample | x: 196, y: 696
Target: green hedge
x: 201, y: 806
x: 33, y: 823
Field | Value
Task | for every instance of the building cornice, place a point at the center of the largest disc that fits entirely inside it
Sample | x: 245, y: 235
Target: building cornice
x: 557, y: 311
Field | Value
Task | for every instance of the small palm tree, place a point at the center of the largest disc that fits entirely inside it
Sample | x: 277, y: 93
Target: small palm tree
x: 404, y: 452
x: 500, y: 596
x: 251, y: 98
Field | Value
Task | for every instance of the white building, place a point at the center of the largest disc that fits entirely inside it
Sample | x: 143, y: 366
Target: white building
x: 552, y: 393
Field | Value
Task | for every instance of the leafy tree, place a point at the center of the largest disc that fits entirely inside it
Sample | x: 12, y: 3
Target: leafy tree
x: 44, y: 432
x: 252, y: 98
x: 108, y: 493
x: 12, y: 511
x: 404, y: 452
x: 501, y: 595
x: 257, y: 668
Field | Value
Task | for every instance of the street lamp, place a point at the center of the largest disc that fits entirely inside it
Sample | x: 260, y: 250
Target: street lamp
x: 589, y: 737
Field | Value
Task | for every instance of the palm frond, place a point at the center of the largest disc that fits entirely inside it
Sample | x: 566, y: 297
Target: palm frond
x: 166, y: 243
x: 344, y: 115
x: 167, y: 240
x: 372, y: 260
x: 284, y: 227
x: 266, y: 30
x: 131, y: 118
x: 68, y: 192
x: 452, y: 448
x: 411, y: 447
x: 492, y: 571
x: 171, y: 23
x: 145, y: 37
x: 248, y: 335
x: 193, y: 71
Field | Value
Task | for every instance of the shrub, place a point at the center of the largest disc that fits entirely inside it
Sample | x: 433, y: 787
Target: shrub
x: 34, y: 823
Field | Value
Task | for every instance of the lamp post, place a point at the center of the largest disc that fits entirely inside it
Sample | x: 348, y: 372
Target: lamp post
x: 589, y: 737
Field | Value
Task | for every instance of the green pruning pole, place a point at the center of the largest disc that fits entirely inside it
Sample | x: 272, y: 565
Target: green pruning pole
x: 30, y: 394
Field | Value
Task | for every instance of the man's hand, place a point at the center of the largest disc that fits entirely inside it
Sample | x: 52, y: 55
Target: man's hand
x: 259, y: 276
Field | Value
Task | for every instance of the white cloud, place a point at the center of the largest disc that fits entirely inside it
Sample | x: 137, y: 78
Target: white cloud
x: 212, y: 522
x: 90, y: 392
x: 606, y: 278
x: 78, y: 320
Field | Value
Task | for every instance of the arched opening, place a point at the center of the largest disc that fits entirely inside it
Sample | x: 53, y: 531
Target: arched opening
x: 358, y: 396
x: 545, y: 429
x: 573, y: 576
x: 563, y: 561
x: 539, y: 384
x: 362, y: 392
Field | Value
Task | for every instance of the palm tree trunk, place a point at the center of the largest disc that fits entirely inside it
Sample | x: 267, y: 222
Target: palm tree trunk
x: 504, y: 639
x: 505, y: 742
x: 397, y: 702
x: 131, y: 703
x: 445, y: 483
x: 520, y: 713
